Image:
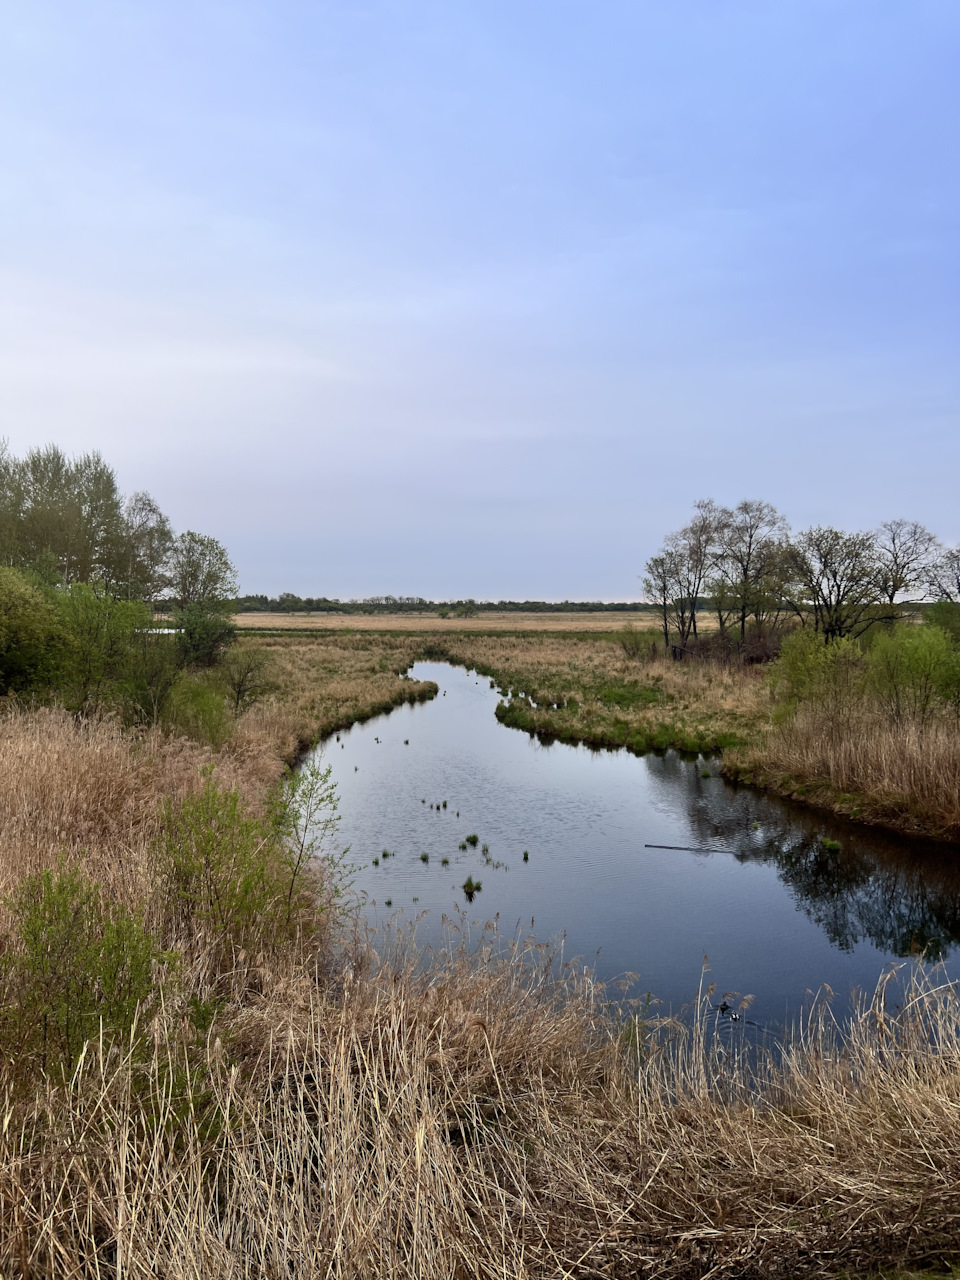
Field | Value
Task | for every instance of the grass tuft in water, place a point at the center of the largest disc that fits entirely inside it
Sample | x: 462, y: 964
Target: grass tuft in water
x: 470, y: 887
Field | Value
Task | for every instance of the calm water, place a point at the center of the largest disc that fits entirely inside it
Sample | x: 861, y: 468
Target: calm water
x: 776, y: 913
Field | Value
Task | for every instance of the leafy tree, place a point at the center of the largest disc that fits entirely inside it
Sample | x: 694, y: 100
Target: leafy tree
x: 201, y: 573
x: 146, y: 547
x: 70, y: 508
x: 32, y: 638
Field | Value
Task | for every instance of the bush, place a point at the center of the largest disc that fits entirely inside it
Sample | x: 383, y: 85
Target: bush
x: 910, y: 670
x: 635, y: 644
x: 239, y: 885
x: 84, y: 968
x: 829, y: 674
x: 197, y: 708
x: 101, y: 663
x: 205, y: 633
x: 32, y: 639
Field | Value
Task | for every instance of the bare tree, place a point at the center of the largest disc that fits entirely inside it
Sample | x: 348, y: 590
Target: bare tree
x: 943, y: 575
x: 749, y: 553
x: 906, y: 553
x: 837, y: 579
x: 675, y: 578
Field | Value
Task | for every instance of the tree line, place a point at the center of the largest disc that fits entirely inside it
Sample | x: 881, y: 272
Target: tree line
x: 287, y: 602
x: 745, y: 566
x: 83, y: 569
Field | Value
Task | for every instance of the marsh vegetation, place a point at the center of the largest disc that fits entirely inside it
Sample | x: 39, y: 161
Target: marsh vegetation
x: 208, y: 1070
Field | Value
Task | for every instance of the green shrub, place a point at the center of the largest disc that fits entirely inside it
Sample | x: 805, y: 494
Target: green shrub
x: 238, y: 883
x: 827, y: 674
x: 910, y: 672
x: 205, y: 633
x: 32, y: 639
x: 84, y: 966
x: 197, y: 708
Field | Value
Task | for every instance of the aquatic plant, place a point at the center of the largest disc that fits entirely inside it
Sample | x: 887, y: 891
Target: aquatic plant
x: 472, y: 841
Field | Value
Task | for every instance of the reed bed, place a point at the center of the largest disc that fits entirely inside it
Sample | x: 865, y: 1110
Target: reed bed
x: 485, y: 1119
x: 903, y: 775
x: 326, y: 683
x: 577, y: 689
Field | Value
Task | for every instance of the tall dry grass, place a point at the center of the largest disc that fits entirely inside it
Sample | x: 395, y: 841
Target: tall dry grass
x: 695, y: 705
x: 905, y: 775
x: 430, y: 622
x: 92, y: 792
x: 481, y: 1121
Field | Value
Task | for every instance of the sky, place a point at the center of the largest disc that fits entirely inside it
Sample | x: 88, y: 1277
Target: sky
x: 477, y: 298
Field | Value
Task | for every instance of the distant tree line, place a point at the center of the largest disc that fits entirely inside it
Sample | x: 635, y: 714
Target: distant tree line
x: 745, y: 567
x: 287, y: 602
x: 82, y: 570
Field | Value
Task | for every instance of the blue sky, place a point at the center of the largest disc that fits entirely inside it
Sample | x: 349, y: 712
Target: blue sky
x: 477, y: 298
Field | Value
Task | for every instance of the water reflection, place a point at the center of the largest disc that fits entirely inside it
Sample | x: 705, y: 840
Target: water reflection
x: 902, y: 895
x: 584, y: 844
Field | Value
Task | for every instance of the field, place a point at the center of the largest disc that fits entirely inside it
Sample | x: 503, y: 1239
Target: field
x: 428, y: 622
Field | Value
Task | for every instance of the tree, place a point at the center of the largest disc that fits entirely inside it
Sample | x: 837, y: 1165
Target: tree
x: 31, y: 637
x: 70, y: 508
x: 943, y: 577
x: 675, y: 577
x: 146, y: 546
x: 201, y: 573
x: 747, y: 562
x: 837, y: 579
x: 906, y: 553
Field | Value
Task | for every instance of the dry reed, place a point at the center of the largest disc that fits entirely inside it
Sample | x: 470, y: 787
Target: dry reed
x: 904, y: 775
x: 482, y: 1121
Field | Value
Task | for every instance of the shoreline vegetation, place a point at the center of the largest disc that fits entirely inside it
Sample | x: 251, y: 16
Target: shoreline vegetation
x: 209, y: 1069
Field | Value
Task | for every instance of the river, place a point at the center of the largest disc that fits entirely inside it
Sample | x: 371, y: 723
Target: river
x: 776, y: 908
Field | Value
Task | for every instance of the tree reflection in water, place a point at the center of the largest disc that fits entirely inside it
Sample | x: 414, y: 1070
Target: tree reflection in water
x: 901, y: 894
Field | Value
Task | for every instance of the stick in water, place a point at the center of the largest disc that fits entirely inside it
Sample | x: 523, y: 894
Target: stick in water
x: 683, y: 848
